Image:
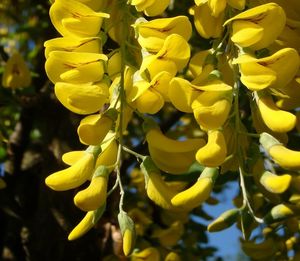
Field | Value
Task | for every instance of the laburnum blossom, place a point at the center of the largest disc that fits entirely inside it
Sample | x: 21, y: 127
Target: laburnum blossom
x: 209, y: 15
x: 258, y: 27
x: 16, y: 73
x: 72, y: 18
x: 270, y: 71
x: 150, y: 7
x: 152, y: 34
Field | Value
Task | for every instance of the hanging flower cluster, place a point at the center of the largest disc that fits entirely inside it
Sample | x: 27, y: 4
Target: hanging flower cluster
x: 252, y: 58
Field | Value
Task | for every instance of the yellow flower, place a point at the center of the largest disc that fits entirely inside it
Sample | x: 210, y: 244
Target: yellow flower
x: 225, y: 220
x: 168, y: 237
x: 94, y: 196
x: 214, y: 152
x: 208, y: 25
x: 281, y: 212
x: 141, y: 219
x: 137, y: 180
x: 74, y: 67
x: 89, y: 220
x: 199, y: 67
x: 82, y: 98
x: 150, y: 7
x: 258, y: 27
x: 291, y: 100
x: 73, y: 18
x: 283, y: 156
x: 108, y: 156
x: 271, y: 71
x: 157, y: 189
x: 218, y: 6
x: 172, y: 57
x: 149, y: 97
x: 73, y: 176
x: 93, y: 129
x: 16, y: 73
x: 261, y: 251
x: 71, y: 44
x: 83, y: 227
x: 211, y: 108
x: 274, y: 183
x: 151, y: 34
x: 170, y: 155
x: 128, y: 232
x: 276, y: 120
x: 182, y: 94
x: 127, y: 242
x: 148, y: 254
x: 114, y: 64
x: 198, y: 192
x: 172, y: 256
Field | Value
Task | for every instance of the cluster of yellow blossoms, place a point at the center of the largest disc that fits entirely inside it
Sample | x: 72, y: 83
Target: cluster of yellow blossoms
x: 254, y: 54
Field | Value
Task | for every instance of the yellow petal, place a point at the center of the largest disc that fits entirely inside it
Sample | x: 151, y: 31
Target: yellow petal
x: 70, y: 44
x: 172, y: 162
x: 275, y: 183
x: 93, y: 129
x: 75, y: 67
x: 176, y: 49
x: 207, y: 25
x: 138, y: 88
x: 16, y: 73
x: 158, y: 140
x: 72, y: 18
x: 172, y: 256
x: 154, y: 65
x: 108, y: 156
x: 153, y: 33
x: 148, y: 254
x: 216, y: 6
x: 198, y: 67
x: 150, y: 102
x: 73, y: 176
x: 128, y: 242
x: 161, y: 83
x: 214, y: 152
x: 182, y: 94
x: 278, y: 61
x: 211, y: 115
x: 237, y: 4
x: 83, y: 227
x: 245, y: 33
x: 270, y: 17
x: 256, y: 76
x: 159, y: 192
x: 141, y: 5
x: 94, y: 196
x: 277, y: 120
x: 82, y: 98
x: 269, y: 71
x: 114, y: 64
x: 168, y: 237
x: 157, y: 7
x: 72, y: 157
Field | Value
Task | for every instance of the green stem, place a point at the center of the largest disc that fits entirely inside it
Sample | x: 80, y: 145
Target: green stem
x: 122, y: 98
x: 137, y: 155
x: 246, y: 202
